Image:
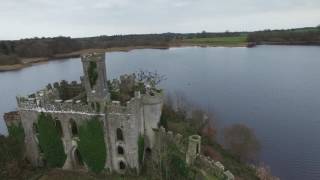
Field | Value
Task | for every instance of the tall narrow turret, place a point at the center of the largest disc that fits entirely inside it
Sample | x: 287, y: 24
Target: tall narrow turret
x: 95, y: 79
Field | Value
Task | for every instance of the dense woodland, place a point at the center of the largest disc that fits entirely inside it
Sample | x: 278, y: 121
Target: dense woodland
x: 11, y: 52
x: 303, y: 36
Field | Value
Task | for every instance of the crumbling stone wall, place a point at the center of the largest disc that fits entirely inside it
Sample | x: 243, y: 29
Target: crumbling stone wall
x: 30, y: 117
x: 137, y: 117
x: 164, y: 138
x: 12, y: 118
x: 66, y: 90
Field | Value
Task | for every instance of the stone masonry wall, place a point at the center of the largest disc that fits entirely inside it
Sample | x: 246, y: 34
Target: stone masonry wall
x: 29, y: 117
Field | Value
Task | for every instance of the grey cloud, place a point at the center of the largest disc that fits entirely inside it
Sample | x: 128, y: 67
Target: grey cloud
x: 28, y: 18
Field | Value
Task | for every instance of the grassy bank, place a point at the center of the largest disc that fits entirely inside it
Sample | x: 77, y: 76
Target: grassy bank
x: 218, y: 41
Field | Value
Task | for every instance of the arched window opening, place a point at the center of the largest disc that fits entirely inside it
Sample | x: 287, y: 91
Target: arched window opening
x: 198, y: 147
x: 148, y: 150
x: 119, y: 135
x: 78, y: 158
x: 120, y: 150
x: 74, y: 128
x: 59, y: 127
x: 122, y: 165
x: 35, y: 129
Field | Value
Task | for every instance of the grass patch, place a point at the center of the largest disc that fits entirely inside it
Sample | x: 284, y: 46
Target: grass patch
x: 218, y: 41
x: 74, y: 175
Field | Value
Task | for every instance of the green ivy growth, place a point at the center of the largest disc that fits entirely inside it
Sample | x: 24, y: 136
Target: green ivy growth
x: 140, y: 148
x: 16, y: 136
x: 50, y: 142
x: 176, y: 165
x: 91, y: 145
x: 93, y: 73
x: 17, y: 132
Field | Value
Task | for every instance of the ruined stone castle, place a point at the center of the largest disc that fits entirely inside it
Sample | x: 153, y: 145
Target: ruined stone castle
x: 72, y: 104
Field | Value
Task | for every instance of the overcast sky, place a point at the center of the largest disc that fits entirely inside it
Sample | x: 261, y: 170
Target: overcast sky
x: 81, y: 18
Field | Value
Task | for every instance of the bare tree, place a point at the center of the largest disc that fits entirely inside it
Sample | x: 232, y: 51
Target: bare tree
x: 151, y: 78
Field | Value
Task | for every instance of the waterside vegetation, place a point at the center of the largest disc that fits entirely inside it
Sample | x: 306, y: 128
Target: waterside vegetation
x: 17, y: 54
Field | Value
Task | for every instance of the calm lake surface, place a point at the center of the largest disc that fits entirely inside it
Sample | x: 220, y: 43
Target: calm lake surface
x: 273, y: 89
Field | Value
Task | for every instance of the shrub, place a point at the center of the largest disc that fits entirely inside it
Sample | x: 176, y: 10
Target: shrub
x: 50, y: 142
x: 91, y: 145
x: 93, y: 74
x: 17, y: 132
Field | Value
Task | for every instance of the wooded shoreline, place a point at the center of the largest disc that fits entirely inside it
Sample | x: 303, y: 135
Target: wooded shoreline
x: 26, y: 62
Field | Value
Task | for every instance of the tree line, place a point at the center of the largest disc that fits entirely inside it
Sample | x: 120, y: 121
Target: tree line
x: 12, y: 51
x: 291, y: 36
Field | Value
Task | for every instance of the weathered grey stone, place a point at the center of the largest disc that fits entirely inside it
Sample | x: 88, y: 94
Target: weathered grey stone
x: 122, y: 124
x: 229, y: 175
x: 193, y: 148
x: 138, y: 118
x: 219, y: 165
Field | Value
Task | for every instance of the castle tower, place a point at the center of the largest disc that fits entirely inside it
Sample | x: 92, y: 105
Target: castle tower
x: 95, y: 79
x: 193, y: 148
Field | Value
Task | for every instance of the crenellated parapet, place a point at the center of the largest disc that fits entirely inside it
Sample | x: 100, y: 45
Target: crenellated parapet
x: 192, y: 151
x: 164, y: 138
x: 213, y: 167
x: 130, y: 107
x: 41, y: 103
x: 155, y: 98
x: 169, y: 136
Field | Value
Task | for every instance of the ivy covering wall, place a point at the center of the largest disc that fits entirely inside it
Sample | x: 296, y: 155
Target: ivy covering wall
x: 92, y: 73
x: 91, y: 145
x: 17, y: 132
x: 16, y: 137
x: 50, y: 142
x: 140, y: 148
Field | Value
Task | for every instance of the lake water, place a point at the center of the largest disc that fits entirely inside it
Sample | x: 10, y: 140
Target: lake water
x: 273, y: 89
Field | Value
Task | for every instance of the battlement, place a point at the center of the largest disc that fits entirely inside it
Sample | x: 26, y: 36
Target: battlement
x: 164, y: 138
x: 156, y: 98
x: 213, y: 167
x: 93, y: 57
x: 135, y: 102
x: 169, y: 135
x: 40, y: 103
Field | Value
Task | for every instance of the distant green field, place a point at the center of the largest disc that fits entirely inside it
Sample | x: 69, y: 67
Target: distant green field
x: 229, y: 41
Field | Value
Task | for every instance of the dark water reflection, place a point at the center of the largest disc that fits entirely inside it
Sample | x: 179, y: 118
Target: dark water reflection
x: 273, y: 89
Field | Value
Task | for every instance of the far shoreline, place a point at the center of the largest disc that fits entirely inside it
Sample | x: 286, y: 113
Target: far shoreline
x: 26, y: 62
